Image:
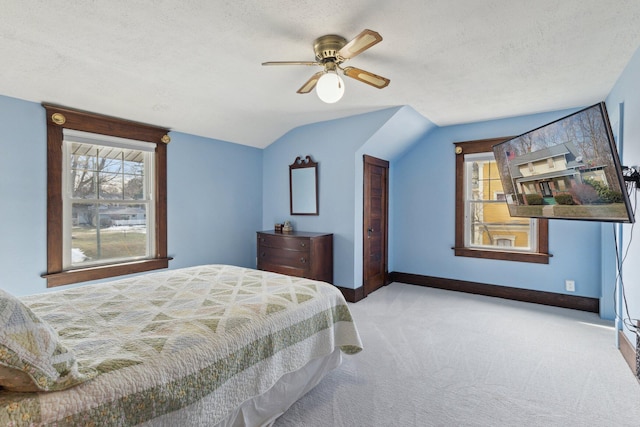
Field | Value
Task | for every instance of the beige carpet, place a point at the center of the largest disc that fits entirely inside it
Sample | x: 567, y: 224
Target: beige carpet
x: 440, y: 358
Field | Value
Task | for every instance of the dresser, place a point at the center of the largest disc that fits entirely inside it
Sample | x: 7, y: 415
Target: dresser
x: 298, y: 253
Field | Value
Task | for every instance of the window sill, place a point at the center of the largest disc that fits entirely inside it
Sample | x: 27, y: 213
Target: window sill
x: 538, y: 258
x: 104, y: 271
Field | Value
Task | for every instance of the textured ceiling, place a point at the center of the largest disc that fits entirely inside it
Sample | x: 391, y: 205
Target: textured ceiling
x: 195, y: 66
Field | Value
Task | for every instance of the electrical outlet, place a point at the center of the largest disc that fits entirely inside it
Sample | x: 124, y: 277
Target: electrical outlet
x: 570, y: 285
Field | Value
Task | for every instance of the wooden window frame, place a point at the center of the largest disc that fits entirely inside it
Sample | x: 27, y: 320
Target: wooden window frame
x: 541, y: 256
x: 59, y: 118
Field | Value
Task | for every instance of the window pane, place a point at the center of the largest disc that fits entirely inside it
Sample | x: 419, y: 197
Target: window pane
x: 110, y: 159
x: 110, y: 185
x: 108, y: 231
x: 83, y: 156
x: 83, y: 184
x: 82, y: 164
x: 133, y: 162
x: 133, y: 187
x: 490, y: 223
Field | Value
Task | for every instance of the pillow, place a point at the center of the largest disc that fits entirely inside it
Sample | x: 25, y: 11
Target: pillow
x: 31, y: 356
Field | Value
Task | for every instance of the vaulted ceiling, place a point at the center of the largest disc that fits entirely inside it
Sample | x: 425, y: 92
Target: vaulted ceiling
x: 195, y: 65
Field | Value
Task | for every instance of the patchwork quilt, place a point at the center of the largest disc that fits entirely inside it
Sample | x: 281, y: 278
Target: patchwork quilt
x: 163, y: 341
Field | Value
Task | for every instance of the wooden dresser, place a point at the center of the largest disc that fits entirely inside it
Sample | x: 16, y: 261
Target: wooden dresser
x: 298, y: 253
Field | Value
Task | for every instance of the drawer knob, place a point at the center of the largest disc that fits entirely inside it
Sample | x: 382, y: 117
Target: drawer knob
x: 303, y: 260
x: 302, y: 244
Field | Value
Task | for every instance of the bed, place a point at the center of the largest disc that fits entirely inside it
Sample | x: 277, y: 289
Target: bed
x: 213, y: 345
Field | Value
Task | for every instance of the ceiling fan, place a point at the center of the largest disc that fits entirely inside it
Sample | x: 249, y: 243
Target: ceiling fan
x: 331, y: 51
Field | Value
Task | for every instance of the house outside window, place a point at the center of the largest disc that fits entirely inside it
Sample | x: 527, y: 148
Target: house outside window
x: 551, y: 171
x: 484, y: 228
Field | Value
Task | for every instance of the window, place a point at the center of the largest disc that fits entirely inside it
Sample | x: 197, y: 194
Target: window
x: 550, y: 163
x: 487, y: 214
x: 505, y: 241
x: 484, y: 228
x: 106, y: 208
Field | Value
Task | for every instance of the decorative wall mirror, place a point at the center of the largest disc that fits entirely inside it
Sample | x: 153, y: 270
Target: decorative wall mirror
x: 303, y: 187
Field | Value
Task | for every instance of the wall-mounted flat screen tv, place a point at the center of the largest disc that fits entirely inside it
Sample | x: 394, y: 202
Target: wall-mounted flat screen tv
x: 567, y: 169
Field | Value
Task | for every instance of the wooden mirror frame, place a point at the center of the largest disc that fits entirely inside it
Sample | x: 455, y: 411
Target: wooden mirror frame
x: 297, y: 164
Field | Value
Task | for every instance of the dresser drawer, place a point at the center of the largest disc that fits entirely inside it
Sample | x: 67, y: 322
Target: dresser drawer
x: 284, y: 242
x: 299, y: 253
x: 279, y: 256
x: 282, y: 269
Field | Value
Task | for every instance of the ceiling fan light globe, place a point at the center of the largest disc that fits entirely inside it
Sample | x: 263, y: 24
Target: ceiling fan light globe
x: 330, y: 88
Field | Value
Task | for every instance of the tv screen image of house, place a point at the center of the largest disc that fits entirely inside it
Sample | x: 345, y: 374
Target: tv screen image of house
x: 567, y: 169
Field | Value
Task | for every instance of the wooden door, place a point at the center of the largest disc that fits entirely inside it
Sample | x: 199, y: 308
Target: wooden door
x: 376, y: 207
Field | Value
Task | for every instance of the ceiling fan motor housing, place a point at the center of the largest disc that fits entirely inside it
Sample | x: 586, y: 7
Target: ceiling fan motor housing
x: 326, y: 48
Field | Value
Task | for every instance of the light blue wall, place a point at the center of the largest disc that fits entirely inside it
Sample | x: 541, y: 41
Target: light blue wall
x: 23, y: 196
x: 623, y: 105
x: 423, y: 225
x: 214, y: 200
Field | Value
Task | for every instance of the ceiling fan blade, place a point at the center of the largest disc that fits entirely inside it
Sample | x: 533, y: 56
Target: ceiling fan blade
x: 311, y: 83
x: 291, y: 63
x: 359, y: 44
x: 366, y: 77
